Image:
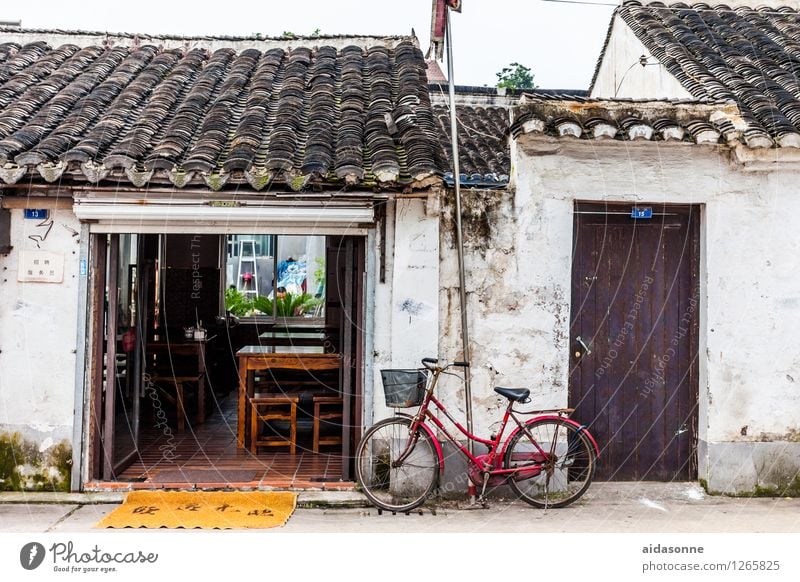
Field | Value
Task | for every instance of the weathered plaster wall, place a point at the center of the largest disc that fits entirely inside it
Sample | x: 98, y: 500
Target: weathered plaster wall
x: 621, y: 75
x: 37, y: 343
x: 406, y: 314
x: 518, y: 300
x: 749, y: 386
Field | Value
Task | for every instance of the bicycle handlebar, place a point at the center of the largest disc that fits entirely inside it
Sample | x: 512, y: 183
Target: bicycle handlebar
x: 430, y: 363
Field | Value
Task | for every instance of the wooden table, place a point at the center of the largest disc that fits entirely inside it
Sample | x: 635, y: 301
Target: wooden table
x: 263, y: 358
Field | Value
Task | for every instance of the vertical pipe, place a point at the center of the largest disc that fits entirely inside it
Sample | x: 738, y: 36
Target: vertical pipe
x: 459, y: 238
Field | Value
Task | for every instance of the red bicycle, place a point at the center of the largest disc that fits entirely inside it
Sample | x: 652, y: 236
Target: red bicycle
x: 548, y: 460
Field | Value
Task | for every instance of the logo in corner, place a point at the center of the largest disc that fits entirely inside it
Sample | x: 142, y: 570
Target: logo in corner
x: 31, y: 555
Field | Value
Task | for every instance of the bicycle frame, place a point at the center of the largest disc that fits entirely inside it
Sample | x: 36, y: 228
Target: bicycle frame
x: 485, y: 463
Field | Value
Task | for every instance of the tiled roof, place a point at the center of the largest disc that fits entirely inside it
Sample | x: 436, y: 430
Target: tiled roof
x: 751, y: 56
x: 299, y: 113
x: 482, y: 141
x: 483, y: 130
x: 628, y: 120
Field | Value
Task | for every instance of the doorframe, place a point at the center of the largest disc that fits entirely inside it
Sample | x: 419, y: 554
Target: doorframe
x: 83, y: 347
x: 109, y: 405
x: 353, y: 342
x: 99, y: 345
x: 95, y: 351
x: 91, y: 332
x: 698, y: 230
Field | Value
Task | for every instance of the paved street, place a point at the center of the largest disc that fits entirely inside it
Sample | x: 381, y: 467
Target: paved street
x: 607, y: 507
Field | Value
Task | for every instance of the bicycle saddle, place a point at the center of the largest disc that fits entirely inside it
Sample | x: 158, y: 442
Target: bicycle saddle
x: 515, y: 394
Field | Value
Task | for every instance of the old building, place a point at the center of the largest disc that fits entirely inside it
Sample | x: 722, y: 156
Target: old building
x: 149, y: 186
x: 629, y: 250
x: 651, y: 234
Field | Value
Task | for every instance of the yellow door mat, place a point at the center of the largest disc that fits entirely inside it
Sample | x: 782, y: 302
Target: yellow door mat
x: 203, y: 509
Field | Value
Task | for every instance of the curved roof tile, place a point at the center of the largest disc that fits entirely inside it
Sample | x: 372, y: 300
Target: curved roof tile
x: 333, y: 115
x: 750, y: 55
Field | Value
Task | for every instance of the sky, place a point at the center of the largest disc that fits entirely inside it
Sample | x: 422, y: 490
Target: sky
x: 560, y: 42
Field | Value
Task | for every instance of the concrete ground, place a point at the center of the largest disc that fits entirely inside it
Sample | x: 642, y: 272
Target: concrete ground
x: 607, y: 507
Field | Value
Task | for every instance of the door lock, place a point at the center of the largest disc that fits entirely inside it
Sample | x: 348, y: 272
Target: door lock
x: 586, y: 350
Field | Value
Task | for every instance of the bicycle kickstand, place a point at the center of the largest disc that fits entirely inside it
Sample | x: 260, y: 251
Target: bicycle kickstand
x: 481, y: 502
x: 482, y: 497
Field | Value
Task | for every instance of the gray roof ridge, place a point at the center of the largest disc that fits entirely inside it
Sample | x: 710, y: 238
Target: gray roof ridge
x: 10, y: 33
x: 533, y: 96
x: 782, y: 6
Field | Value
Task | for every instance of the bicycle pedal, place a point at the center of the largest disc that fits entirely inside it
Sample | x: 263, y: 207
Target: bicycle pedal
x: 477, y: 505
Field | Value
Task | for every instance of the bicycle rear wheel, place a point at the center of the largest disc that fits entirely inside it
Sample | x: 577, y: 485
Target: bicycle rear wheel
x: 559, y: 476
x: 396, y: 470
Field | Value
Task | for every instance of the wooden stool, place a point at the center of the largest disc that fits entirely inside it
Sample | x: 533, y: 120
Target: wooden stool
x: 178, y: 401
x: 326, y: 409
x: 267, y: 408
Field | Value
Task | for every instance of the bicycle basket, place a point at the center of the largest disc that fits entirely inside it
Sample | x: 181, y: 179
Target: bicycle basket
x: 403, y: 388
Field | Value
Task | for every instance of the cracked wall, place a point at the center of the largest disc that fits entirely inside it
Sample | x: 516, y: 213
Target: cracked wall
x: 518, y: 306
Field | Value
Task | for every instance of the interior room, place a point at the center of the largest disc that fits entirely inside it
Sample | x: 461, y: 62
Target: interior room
x: 226, y: 356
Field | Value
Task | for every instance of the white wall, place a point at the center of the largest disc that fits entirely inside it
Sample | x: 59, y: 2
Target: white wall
x: 406, y: 313
x: 518, y: 300
x: 751, y: 298
x: 38, y: 333
x: 621, y: 75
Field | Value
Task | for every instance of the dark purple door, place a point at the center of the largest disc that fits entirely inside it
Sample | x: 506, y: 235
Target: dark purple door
x: 633, y: 337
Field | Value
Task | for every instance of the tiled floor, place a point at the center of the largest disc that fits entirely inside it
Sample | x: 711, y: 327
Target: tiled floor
x: 212, y: 446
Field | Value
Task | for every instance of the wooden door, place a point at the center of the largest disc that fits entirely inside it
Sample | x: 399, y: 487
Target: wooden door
x: 346, y: 264
x: 634, y: 338
x: 116, y: 354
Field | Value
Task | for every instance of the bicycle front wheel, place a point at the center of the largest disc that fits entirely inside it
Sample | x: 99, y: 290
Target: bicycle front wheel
x: 396, y: 470
x: 557, y: 469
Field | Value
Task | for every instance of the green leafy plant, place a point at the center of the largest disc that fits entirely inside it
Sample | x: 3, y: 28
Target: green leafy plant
x: 515, y: 76
x: 237, y: 302
x: 288, y: 306
x: 319, y: 270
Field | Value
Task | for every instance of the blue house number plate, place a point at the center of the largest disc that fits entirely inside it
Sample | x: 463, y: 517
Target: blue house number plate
x: 642, y: 212
x: 36, y: 213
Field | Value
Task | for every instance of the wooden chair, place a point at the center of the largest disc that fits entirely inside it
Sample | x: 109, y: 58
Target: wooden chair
x: 327, y: 410
x: 177, y: 370
x: 271, y: 408
x: 179, y: 399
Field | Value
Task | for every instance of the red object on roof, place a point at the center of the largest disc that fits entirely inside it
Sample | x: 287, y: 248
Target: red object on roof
x: 438, y: 24
x: 434, y: 72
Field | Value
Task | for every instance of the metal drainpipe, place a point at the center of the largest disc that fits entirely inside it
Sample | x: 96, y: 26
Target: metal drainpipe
x: 459, y: 238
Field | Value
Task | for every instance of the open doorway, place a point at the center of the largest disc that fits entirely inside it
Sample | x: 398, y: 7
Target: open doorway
x: 174, y: 317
